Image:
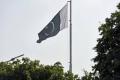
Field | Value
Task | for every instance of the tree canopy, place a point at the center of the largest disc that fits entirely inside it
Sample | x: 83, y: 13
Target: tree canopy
x: 107, y: 61
x: 27, y: 69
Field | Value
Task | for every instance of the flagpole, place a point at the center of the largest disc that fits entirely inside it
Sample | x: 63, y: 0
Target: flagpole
x: 70, y: 33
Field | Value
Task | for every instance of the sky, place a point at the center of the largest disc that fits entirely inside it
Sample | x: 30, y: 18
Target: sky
x: 22, y: 20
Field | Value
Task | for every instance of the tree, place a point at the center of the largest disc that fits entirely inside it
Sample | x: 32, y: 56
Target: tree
x: 27, y: 69
x: 107, y: 61
x: 87, y: 76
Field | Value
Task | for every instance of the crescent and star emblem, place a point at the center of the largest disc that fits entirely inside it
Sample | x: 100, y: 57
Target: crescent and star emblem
x: 53, y: 28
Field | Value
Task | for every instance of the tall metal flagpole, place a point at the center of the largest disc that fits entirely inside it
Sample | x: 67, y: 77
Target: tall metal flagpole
x: 70, y: 66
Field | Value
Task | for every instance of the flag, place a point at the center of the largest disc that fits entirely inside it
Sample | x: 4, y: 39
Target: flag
x: 58, y: 23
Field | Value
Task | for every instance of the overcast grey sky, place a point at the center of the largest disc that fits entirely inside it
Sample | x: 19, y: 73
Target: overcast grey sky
x: 22, y: 20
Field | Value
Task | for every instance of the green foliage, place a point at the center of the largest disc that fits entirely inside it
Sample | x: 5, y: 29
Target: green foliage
x: 89, y: 76
x: 107, y: 61
x: 27, y: 69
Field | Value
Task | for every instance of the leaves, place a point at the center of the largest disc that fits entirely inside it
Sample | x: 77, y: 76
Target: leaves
x: 27, y: 69
x: 108, y: 48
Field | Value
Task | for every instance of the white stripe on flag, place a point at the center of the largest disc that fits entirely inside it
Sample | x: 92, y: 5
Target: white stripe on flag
x: 64, y: 17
